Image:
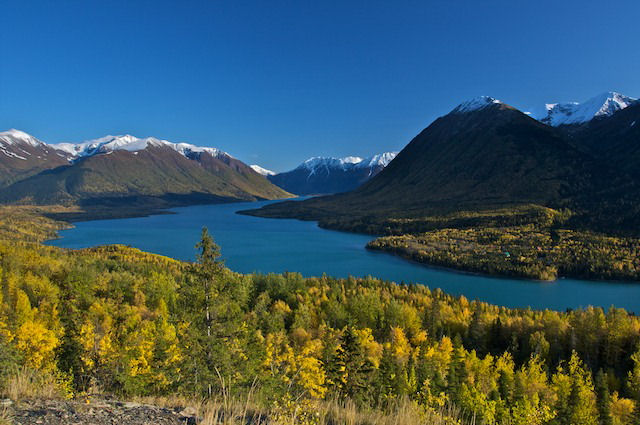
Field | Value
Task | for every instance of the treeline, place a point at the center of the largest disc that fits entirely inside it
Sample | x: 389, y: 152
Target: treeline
x: 528, y: 251
x: 131, y: 323
x: 426, y: 221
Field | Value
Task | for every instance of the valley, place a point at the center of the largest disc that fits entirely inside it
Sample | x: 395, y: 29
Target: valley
x: 487, y: 181
x: 303, y: 321
x: 319, y: 213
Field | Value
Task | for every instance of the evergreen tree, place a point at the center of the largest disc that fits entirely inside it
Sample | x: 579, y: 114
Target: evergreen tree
x: 385, y: 379
x: 457, y: 370
x: 603, y: 398
x: 205, y: 364
x: 350, y: 368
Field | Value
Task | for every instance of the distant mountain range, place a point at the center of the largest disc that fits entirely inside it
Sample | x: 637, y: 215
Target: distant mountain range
x: 124, y: 168
x: 328, y: 175
x: 487, y: 154
x: 483, y: 153
x: 324, y: 175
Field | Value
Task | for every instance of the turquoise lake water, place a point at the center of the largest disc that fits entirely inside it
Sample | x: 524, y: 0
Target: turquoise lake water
x: 252, y: 244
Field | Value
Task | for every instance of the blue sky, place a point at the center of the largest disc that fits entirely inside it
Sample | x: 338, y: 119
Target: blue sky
x: 274, y: 82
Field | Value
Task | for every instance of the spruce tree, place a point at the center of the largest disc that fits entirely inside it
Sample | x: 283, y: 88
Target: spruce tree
x: 603, y: 398
x: 351, y: 369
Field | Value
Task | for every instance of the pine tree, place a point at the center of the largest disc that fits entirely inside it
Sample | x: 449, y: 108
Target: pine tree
x: 350, y: 368
x: 202, y: 338
x: 633, y: 383
x: 385, y: 378
x: 457, y: 370
x: 603, y: 398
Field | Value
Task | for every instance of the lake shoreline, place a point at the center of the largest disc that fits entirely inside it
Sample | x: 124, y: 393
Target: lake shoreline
x: 254, y: 245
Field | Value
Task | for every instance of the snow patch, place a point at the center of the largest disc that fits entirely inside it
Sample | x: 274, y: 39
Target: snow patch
x: 476, y: 103
x: 12, y: 154
x: 258, y: 169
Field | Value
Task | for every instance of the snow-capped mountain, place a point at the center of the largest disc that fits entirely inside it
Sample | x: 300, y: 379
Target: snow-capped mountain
x: 124, y: 166
x: 130, y: 143
x: 331, y: 175
x: 22, y: 155
x: 474, y: 104
x: 317, y: 163
x: 603, y: 105
x: 17, y: 137
x: 263, y: 171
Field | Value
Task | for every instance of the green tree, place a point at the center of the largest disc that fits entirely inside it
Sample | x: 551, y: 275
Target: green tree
x: 350, y: 369
x: 603, y: 398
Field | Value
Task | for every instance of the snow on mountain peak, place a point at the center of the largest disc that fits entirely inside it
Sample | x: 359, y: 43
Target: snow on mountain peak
x: 130, y: 143
x: 14, y: 136
x: 474, y: 104
x: 329, y: 162
x: 383, y: 159
x: 602, y: 105
x: 258, y: 169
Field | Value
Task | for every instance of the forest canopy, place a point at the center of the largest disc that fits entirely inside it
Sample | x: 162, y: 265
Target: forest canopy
x: 131, y: 323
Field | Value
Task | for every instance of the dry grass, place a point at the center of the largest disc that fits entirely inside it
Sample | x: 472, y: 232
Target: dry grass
x: 237, y: 411
x: 223, y: 409
x: 26, y: 383
x: 5, y: 417
x: 404, y: 412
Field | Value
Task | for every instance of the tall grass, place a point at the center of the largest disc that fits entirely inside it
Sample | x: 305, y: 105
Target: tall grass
x: 242, y: 408
x: 403, y: 412
x: 24, y: 383
x: 5, y: 417
x: 235, y: 410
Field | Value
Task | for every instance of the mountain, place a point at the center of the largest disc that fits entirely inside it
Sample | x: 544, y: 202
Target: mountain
x: 615, y: 139
x: 323, y: 175
x: 603, y: 105
x: 22, y: 156
x: 129, y: 169
x: 262, y: 171
x: 483, y: 154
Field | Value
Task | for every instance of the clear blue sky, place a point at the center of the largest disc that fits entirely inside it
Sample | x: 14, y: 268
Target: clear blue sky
x: 274, y: 82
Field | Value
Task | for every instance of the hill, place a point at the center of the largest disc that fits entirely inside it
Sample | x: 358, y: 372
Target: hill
x: 127, y: 171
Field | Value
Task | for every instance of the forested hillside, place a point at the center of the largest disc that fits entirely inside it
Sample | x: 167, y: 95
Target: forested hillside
x: 117, y: 320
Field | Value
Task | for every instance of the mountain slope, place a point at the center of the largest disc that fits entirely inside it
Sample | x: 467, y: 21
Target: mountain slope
x: 483, y: 154
x: 127, y: 167
x: 331, y: 175
x: 615, y: 139
x: 22, y: 155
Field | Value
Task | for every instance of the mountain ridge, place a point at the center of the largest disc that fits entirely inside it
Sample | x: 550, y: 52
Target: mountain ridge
x: 322, y: 175
x: 482, y: 155
x: 149, y: 170
x: 568, y: 113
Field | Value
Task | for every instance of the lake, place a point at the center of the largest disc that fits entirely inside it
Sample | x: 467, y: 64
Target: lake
x: 253, y: 244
